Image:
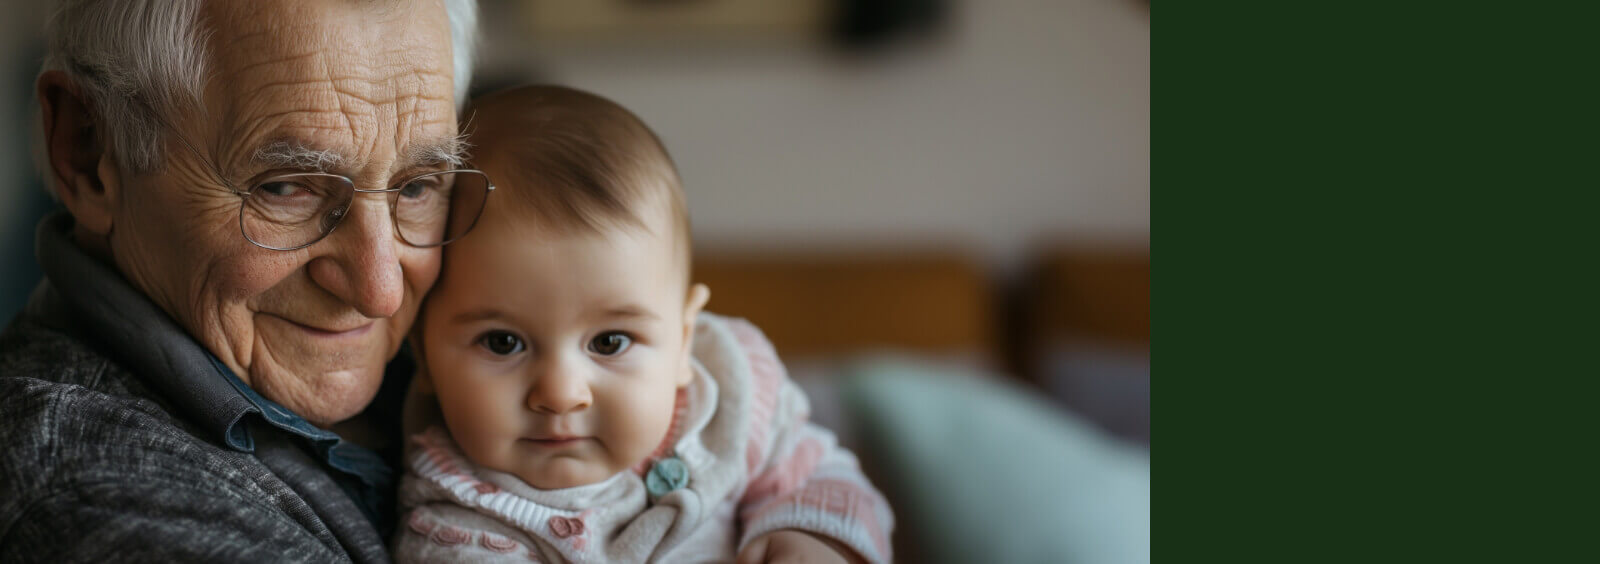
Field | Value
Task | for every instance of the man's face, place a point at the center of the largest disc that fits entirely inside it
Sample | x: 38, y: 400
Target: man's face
x: 557, y: 357
x: 368, y: 82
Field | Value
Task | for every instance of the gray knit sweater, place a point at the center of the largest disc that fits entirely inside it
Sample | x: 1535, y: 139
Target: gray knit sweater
x: 122, y: 440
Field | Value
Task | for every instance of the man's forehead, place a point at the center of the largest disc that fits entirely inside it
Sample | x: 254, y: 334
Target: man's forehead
x: 336, y: 78
x: 248, y: 33
x: 344, y: 140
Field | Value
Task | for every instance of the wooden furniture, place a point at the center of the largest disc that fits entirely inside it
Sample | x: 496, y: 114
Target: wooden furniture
x: 1083, y: 323
x: 1094, y: 294
x: 820, y: 304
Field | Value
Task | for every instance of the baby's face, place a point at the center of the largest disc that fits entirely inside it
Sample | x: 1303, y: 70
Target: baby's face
x: 557, y: 357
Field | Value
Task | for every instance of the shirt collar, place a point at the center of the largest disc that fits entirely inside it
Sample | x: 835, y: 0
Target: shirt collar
x: 327, y: 445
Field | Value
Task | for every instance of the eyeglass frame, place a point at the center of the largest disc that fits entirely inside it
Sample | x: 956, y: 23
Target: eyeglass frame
x: 244, y: 198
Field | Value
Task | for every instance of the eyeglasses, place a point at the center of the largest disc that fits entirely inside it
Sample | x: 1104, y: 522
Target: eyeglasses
x: 296, y: 210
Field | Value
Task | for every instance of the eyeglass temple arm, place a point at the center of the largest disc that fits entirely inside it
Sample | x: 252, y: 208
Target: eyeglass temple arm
x: 210, y: 166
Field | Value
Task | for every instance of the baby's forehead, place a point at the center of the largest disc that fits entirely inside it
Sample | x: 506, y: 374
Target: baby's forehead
x: 652, y: 225
x: 528, y: 199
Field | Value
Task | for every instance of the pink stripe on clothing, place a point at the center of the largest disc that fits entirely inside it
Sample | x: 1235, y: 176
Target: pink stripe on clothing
x: 786, y: 475
x: 767, y: 378
x: 846, y: 500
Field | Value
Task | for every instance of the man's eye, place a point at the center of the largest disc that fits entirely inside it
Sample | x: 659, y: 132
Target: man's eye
x: 610, y: 344
x: 281, y: 189
x: 501, y: 343
x: 413, y: 190
x: 419, y: 188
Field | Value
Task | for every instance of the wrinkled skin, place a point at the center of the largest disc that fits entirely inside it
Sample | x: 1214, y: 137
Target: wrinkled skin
x: 310, y: 329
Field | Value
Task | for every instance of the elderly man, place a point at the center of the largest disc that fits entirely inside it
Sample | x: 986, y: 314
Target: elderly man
x: 256, y: 194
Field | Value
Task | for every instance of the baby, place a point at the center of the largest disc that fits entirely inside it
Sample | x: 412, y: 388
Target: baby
x: 587, y: 409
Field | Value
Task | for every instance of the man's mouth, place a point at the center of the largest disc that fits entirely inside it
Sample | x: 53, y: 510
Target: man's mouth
x: 331, y: 331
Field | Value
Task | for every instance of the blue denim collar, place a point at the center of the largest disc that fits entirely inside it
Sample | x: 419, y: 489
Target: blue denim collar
x: 329, y: 448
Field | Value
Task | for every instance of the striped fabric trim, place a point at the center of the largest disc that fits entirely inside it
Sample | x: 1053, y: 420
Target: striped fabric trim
x: 767, y: 376
x: 783, y: 476
x: 439, y: 464
x: 837, y: 509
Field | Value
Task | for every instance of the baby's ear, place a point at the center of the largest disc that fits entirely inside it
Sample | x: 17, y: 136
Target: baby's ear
x: 699, y: 294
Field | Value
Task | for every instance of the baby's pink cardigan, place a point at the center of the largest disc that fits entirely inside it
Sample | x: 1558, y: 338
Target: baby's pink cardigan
x: 756, y: 466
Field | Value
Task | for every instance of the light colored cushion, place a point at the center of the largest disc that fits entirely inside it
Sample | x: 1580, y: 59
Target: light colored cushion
x: 982, y: 470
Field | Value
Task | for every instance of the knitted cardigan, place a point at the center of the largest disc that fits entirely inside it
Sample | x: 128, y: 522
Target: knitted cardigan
x: 755, y: 465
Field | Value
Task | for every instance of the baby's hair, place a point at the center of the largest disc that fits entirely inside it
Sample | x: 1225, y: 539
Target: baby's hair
x: 575, y: 162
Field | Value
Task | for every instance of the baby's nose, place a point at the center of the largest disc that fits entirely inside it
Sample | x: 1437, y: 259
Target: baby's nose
x: 559, y: 391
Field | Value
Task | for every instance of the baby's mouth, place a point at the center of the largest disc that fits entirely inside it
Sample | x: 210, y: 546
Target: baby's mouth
x: 555, y: 441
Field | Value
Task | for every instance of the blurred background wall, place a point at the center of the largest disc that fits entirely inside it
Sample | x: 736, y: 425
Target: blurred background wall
x: 22, y: 200
x: 997, y: 124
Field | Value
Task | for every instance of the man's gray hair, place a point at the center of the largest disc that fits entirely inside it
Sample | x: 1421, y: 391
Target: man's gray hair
x: 141, y: 62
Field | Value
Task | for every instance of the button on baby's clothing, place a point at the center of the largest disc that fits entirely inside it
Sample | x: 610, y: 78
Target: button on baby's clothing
x: 450, y: 535
x: 566, y: 526
x: 497, y: 543
x: 666, y: 476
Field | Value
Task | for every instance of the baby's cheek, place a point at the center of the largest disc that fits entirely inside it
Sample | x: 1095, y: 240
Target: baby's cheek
x: 483, y: 447
x: 644, y: 423
x: 473, y: 424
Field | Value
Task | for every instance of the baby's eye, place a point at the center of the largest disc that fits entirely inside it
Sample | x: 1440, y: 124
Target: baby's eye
x: 501, y: 343
x: 610, y: 344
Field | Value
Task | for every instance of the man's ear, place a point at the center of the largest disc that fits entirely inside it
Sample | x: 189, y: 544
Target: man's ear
x: 699, y: 294
x: 83, y: 174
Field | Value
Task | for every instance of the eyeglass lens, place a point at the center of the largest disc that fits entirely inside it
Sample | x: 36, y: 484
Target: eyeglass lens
x: 295, y: 210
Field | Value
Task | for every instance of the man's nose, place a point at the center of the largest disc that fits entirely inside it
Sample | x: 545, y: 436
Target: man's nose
x: 559, y: 387
x: 360, y: 263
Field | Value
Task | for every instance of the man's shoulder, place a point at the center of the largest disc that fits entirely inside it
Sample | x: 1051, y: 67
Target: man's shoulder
x: 59, y: 434
x: 54, y: 387
x: 52, y: 380
x: 71, y: 418
x: 32, y: 348
x: 89, y: 450
x: 71, y: 449
x: 80, y: 464
x: 39, y: 361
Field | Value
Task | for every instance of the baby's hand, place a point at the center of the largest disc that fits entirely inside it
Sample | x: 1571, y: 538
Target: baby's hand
x: 795, y: 546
